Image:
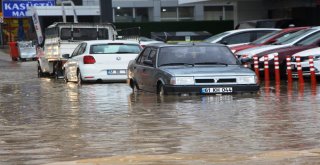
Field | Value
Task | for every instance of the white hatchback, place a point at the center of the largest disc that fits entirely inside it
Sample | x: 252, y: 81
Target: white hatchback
x: 100, y: 60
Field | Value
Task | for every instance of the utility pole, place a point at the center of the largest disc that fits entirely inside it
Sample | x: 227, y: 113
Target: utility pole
x: 106, y: 11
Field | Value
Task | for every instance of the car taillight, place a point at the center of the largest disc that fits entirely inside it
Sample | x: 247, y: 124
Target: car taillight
x: 88, y: 60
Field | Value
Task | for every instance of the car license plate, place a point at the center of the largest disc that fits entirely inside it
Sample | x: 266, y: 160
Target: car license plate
x: 217, y: 90
x: 116, y: 72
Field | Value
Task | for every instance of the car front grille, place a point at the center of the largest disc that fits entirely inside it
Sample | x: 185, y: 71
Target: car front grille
x: 215, y: 80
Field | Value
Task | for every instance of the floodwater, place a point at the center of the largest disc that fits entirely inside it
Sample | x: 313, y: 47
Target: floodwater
x: 45, y: 121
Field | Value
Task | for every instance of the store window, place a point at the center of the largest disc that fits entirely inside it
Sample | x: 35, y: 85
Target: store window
x: 142, y: 14
x: 123, y: 14
x: 177, y: 13
x: 186, y: 13
x: 228, y: 12
x: 168, y: 14
x: 213, y: 13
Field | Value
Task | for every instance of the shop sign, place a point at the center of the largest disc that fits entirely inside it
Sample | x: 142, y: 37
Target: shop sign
x: 18, y: 9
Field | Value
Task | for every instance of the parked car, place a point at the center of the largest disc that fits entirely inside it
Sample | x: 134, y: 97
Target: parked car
x: 267, y: 39
x: 268, y: 23
x: 198, y: 68
x: 282, y: 42
x: 239, y: 36
x: 100, y: 60
x: 312, y: 41
x: 146, y: 41
x: 304, y: 58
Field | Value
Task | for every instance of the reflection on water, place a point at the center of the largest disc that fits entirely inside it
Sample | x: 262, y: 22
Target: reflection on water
x: 46, y: 120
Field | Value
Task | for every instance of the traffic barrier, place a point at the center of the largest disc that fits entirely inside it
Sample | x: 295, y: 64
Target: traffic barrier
x: 289, y: 71
x: 299, y: 69
x: 276, y: 68
x: 312, y: 70
x: 256, y: 66
x: 266, y: 68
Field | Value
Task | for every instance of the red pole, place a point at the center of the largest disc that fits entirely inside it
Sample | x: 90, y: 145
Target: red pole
x: 276, y: 68
x: 266, y: 68
x: 256, y: 66
x: 299, y: 68
x: 289, y: 71
x: 312, y: 71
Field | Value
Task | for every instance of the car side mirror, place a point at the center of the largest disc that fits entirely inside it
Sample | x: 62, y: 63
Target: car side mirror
x: 66, y: 56
x: 148, y: 62
x: 245, y: 60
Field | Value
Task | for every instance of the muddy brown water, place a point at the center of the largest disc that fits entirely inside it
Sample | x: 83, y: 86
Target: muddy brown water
x: 45, y: 121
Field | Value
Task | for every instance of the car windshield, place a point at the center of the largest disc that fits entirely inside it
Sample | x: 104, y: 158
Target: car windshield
x: 289, y: 38
x: 115, y: 48
x: 265, y: 38
x: 196, y: 55
x: 309, y: 40
x: 215, y: 37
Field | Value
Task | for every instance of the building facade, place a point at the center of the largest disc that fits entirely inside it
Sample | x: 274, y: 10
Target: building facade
x: 158, y: 11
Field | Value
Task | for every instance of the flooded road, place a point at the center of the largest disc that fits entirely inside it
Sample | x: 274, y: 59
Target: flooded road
x: 43, y: 121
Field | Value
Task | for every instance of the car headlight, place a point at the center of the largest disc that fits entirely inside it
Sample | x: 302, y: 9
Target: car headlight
x: 233, y: 50
x: 270, y: 57
x: 247, y: 80
x: 182, y: 81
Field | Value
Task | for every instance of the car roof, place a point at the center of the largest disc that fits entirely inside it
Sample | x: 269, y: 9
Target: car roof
x: 159, y: 45
x: 252, y: 29
x: 111, y: 41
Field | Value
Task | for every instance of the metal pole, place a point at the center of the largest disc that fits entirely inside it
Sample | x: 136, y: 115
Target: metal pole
x: 106, y: 13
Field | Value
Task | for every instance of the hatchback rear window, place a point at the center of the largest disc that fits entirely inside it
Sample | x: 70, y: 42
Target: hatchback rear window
x: 115, y: 48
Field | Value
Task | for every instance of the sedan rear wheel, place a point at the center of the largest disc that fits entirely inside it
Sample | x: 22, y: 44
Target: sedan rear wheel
x: 135, y: 87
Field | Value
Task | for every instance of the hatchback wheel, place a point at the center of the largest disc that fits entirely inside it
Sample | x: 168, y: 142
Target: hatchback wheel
x: 79, y: 80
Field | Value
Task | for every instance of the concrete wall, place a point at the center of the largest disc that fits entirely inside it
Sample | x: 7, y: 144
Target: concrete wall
x: 251, y: 10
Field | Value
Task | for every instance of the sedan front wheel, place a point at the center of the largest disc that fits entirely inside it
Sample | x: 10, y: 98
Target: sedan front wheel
x: 161, y: 90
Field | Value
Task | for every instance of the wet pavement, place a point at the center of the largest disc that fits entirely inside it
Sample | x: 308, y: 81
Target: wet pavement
x: 46, y: 121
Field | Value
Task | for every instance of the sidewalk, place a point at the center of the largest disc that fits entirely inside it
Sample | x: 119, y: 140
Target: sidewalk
x: 4, y: 53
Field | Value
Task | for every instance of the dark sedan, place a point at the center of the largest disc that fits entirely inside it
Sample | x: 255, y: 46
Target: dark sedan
x: 200, y: 68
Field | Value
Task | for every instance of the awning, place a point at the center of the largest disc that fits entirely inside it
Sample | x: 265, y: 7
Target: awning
x: 189, y: 1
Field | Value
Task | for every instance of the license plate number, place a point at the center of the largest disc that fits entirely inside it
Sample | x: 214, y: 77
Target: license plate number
x: 217, y: 90
x: 116, y: 72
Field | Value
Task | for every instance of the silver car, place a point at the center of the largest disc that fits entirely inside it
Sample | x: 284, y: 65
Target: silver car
x: 195, y: 68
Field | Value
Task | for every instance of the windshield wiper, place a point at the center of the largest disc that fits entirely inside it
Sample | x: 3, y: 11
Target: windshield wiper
x: 211, y: 63
x: 172, y: 64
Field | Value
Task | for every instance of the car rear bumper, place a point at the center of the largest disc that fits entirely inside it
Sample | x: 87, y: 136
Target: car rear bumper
x: 175, y: 89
